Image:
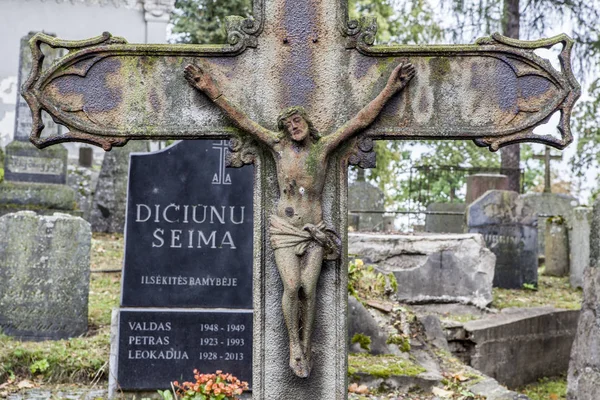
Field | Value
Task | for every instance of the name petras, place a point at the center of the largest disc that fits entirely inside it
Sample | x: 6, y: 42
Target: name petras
x: 190, y: 214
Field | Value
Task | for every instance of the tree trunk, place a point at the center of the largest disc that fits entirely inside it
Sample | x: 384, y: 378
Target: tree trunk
x: 510, y: 156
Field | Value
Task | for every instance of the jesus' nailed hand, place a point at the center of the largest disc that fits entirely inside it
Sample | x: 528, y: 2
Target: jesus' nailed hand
x: 298, y: 235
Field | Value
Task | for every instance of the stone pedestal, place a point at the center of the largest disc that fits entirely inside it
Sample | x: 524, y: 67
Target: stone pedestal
x: 478, y: 184
x: 557, y: 247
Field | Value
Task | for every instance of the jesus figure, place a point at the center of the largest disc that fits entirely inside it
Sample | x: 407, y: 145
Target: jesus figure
x: 298, y: 235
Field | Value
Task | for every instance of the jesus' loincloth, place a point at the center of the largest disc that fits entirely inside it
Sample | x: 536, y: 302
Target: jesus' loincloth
x: 284, y: 234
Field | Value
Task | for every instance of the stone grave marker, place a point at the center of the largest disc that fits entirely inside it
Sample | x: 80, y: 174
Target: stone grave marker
x: 86, y: 157
x: 24, y: 162
x: 306, y: 58
x: 445, y: 218
x: 550, y: 204
x: 34, y: 179
x: 556, y: 247
x: 186, y: 300
x: 363, y: 196
x: 547, y: 157
x: 478, y: 184
x: 509, y: 229
x: 579, y: 245
x: 44, y: 275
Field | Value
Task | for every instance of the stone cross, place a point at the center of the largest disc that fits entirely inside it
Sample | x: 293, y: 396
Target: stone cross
x: 301, y: 53
x: 547, y: 157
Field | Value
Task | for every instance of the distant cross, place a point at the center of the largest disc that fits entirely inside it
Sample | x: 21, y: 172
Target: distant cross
x: 221, y: 177
x: 547, y: 157
x: 301, y: 53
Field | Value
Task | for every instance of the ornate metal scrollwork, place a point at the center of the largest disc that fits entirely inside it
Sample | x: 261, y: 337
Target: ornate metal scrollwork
x: 363, y: 154
x: 243, y: 150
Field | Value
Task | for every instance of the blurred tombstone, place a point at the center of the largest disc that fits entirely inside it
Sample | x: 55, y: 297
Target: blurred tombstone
x: 579, y: 245
x: 86, y: 157
x: 478, y: 184
x: 556, y: 247
x: 509, y: 229
x: 550, y: 204
x: 363, y: 196
x: 445, y: 217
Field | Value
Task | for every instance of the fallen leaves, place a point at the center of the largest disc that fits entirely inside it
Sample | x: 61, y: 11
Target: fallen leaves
x: 355, y: 388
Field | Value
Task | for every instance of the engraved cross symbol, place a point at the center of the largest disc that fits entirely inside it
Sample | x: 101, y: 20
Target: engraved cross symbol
x: 221, y: 177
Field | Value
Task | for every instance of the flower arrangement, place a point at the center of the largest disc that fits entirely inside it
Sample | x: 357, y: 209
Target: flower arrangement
x: 217, y: 386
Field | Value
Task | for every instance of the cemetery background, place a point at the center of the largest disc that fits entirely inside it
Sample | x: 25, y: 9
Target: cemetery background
x: 103, y: 295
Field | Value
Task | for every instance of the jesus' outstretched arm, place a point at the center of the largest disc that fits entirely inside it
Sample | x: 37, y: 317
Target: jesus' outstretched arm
x: 200, y: 78
x: 397, y: 81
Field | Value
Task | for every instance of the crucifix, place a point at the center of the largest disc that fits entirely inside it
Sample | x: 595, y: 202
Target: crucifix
x: 301, y: 92
x: 547, y: 157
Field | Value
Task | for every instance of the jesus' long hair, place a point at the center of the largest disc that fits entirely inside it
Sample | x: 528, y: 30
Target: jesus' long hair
x: 288, y: 112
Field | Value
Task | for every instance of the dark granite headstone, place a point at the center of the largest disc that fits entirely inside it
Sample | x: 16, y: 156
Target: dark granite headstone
x: 188, y: 235
x: 509, y: 228
x: 24, y: 162
x: 188, y: 250
x: 86, y: 156
x: 157, y: 347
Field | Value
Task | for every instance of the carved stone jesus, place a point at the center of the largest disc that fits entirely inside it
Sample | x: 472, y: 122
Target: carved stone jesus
x: 298, y: 235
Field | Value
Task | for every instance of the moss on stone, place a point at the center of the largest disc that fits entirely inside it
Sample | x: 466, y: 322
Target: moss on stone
x: 30, y: 196
x: 402, y: 341
x: 382, y: 366
x: 363, y: 340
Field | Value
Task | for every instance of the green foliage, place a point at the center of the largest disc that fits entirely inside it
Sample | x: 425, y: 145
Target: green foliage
x: 364, y: 282
x: 64, y: 361
x: 363, y: 340
x: 442, y: 181
x: 203, y: 21
x: 547, y: 389
x: 587, y: 125
x: 39, y: 366
x: 410, y: 21
x: 475, y: 18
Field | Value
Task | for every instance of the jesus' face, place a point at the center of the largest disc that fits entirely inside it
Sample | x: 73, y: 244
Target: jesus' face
x: 296, y: 127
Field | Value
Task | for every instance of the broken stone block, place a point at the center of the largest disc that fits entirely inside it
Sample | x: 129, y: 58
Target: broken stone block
x: 455, y: 268
x: 521, y: 345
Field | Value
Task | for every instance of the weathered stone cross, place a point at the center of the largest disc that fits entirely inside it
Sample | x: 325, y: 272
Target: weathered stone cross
x: 547, y: 157
x: 300, y: 53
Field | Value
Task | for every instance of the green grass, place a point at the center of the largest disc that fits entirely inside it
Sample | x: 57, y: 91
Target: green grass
x: 107, y: 251
x: 547, y: 389
x: 552, y: 291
